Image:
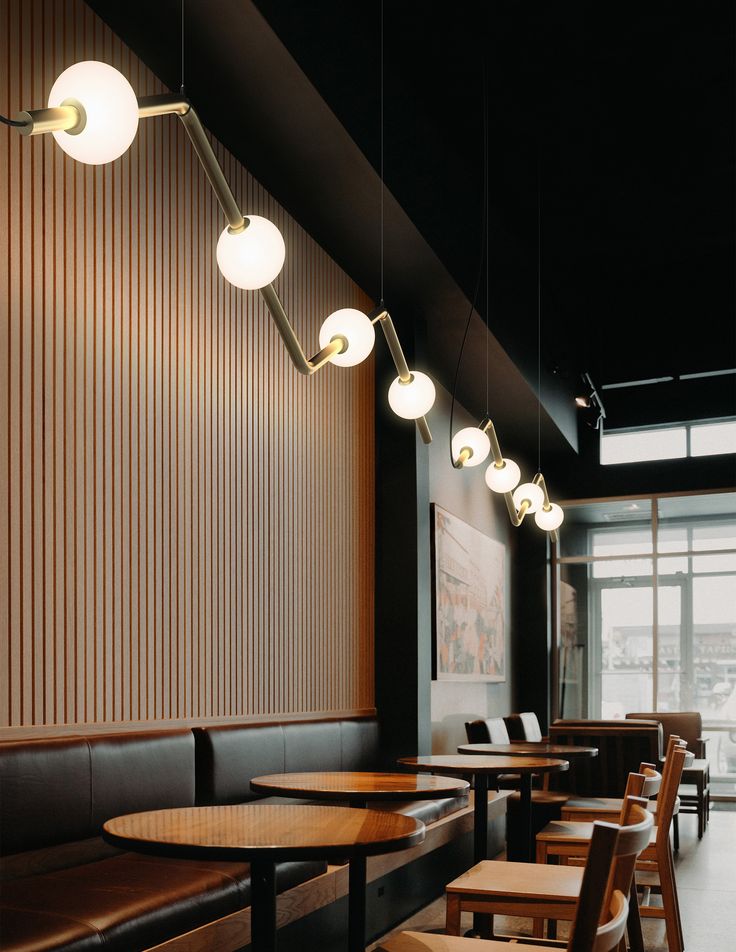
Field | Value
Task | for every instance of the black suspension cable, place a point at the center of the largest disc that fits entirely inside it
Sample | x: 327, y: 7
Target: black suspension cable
x: 481, y: 260
x: 182, y: 88
x: 11, y: 122
x: 383, y: 186
x: 539, y: 314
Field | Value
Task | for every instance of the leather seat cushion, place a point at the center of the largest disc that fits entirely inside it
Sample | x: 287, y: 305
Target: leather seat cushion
x: 428, y: 811
x: 41, y: 931
x: 134, y: 901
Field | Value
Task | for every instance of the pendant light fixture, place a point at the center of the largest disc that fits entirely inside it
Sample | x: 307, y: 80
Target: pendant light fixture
x: 472, y: 445
x: 93, y: 114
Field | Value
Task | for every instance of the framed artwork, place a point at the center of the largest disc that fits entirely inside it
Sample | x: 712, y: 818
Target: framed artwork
x: 469, y: 601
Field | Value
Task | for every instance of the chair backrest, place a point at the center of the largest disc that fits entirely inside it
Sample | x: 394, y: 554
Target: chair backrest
x: 532, y: 730
x: 489, y: 730
x: 644, y: 784
x: 671, y: 777
x: 602, y: 909
x: 686, y: 724
x: 652, y: 782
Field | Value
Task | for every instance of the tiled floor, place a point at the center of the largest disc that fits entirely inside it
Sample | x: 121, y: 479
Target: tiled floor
x: 706, y: 879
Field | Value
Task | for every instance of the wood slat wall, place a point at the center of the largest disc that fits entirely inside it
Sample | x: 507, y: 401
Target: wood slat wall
x: 186, y: 523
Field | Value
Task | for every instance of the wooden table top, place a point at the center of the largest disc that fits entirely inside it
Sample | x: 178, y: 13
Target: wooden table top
x: 362, y: 785
x: 529, y: 748
x: 247, y: 831
x: 474, y: 764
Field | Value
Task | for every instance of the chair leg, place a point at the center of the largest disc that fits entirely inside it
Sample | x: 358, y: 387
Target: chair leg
x: 701, y: 808
x: 538, y: 928
x: 633, y: 923
x: 541, y: 852
x: 671, y: 863
x: 676, y: 832
x: 669, y: 902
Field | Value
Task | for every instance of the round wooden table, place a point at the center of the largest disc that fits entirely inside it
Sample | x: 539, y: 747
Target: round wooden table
x: 263, y: 835
x: 358, y: 788
x: 529, y: 748
x: 480, y: 769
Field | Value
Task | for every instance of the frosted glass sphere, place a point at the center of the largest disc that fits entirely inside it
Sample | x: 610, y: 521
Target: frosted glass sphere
x: 476, y: 440
x: 110, y: 111
x: 529, y: 491
x: 252, y: 258
x: 412, y: 399
x: 549, y: 519
x: 356, y: 328
x: 503, y: 479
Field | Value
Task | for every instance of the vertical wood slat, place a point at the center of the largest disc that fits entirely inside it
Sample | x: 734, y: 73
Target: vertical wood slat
x: 186, y: 524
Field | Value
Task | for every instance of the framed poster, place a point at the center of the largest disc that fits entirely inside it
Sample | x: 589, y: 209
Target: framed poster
x: 469, y: 600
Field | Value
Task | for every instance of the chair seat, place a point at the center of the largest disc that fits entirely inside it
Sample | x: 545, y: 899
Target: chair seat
x: 519, y: 881
x: 430, y: 942
x: 607, y: 805
x: 572, y: 831
x: 544, y: 796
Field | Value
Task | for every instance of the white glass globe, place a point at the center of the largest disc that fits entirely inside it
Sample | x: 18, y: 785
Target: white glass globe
x: 252, y: 258
x: 529, y: 491
x: 549, y: 519
x: 503, y: 479
x: 110, y: 111
x: 412, y: 399
x: 474, y: 439
x: 356, y: 328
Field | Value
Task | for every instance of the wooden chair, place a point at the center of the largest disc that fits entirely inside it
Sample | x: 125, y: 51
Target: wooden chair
x: 657, y: 863
x: 588, y: 809
x: 544, y: 892
x: 571, y: 838
x: 600, y: 914
x: 695, y: 788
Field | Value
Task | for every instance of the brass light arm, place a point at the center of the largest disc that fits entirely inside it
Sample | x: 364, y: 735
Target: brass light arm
x: 516, y: 517
x: 171, y: 104
x: 389, y: 332
x: 69, y: 117
x: 539, y: 480
x: 402, y: 368
x: 463, y: 457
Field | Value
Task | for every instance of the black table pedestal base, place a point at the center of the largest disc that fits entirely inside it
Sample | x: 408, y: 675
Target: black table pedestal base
x: 263, y: 905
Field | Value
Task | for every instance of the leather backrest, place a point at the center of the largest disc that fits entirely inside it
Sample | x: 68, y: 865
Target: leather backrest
x: 62, y: 789
x: 229, y: 757
x: 45, y: 793
x: 530, y: 723
x: 686, y: 724
x: 489, y: 730
x: 151, y: 770
x: 359, y: 743
x: 524, y: 727
x: 313, y: 745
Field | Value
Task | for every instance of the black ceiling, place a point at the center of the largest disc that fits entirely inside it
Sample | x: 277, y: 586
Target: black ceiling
x: 628, y: 110
x: 625, y: 110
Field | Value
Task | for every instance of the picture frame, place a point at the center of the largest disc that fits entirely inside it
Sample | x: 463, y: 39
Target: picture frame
x: 469, y: 593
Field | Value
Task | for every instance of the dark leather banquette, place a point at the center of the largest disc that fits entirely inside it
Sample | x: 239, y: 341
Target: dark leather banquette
x: 63, y: 888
